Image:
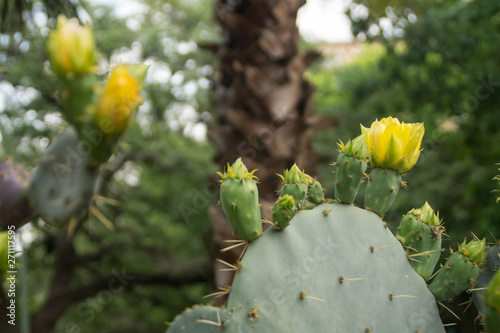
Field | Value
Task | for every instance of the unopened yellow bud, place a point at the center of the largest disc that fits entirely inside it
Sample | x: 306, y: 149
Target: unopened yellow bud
x: 119, y: 99
x: 71, y: 47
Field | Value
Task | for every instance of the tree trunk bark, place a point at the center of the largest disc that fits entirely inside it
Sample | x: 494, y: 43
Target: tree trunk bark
x: 264, y: 105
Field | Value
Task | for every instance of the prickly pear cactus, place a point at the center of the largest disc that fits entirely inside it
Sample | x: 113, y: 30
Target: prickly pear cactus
x: 199, y: 319
x: 62, y: 184
x: 420, y: 232
x: 14, y: 204
x: 460, y: 271
x: 336, y: 268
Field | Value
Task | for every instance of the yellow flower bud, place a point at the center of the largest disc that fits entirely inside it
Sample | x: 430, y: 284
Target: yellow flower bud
x: 71, y: 47
x: 119, y: 99
x: 394, y: 145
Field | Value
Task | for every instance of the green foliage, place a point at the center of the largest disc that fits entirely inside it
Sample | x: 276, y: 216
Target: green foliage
x: 442, y: 70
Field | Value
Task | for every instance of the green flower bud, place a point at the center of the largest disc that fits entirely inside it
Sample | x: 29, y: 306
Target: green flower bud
x: 355, y: 148
x: 474, y: 250
x: 71, y: 48
x: 238, y: 170
x: 294, y: 176
x: 427, y: 215
x: 286, y: 201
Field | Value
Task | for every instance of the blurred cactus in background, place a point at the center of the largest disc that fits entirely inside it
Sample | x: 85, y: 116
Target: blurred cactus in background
x: 71, y: 48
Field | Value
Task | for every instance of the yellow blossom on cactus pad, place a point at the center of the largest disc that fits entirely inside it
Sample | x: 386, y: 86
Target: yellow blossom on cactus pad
x: 394, y: 145
x: 119, y: 99
x: 71, y: 47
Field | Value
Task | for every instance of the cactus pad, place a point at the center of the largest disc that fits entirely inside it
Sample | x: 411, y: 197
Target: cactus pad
x: 383, y: 187
x: 349, y: 174
x: 458, y: 274
x: 315, y: 193
x: 336, y: 268
x: 62, y: 184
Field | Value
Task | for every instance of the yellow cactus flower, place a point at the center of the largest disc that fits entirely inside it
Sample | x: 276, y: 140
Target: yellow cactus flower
x: 119, y: 99
x: 71, y: 47
x: 394, y: 145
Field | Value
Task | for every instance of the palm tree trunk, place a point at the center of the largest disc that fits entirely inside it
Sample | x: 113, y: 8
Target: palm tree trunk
x: 264, y: 105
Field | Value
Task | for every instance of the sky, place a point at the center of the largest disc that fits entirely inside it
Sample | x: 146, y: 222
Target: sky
x: 318, y: 20
x: 324, y: 20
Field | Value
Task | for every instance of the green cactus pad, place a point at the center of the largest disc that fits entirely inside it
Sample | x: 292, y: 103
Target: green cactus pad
x: 409, y: 227
x: 335, y: 268
x: 425, y: 250
x: 315, y: 193
x: 349, y: 174
x: 492, y: 292
x: 77, y: 94
x: 283, y: 211
x: 457, y: 274
x: 487, y: 272
x: 240, y: 202
x: 383, y: 187
x: 62, y: 184
x: 199, y: 319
